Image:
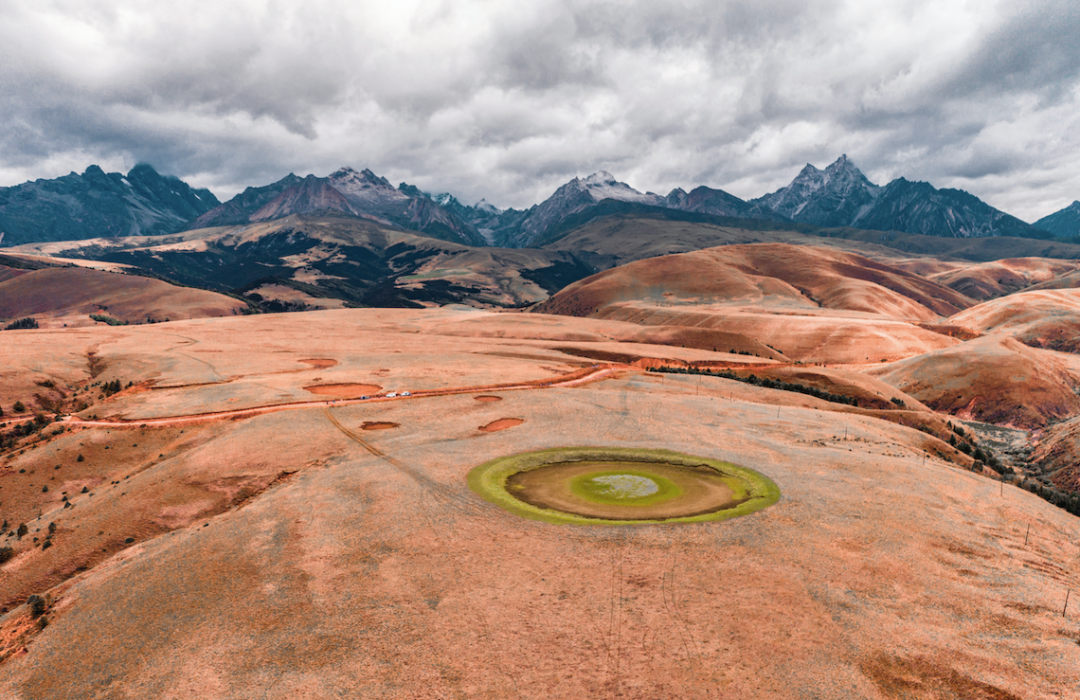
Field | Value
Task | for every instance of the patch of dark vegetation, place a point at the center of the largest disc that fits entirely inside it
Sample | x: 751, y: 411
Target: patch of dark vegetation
x: 23, y: 324
x: 275, y: 306
x: 764, y: 382
x: 1046, y: 490
x: 37, y: 605
x: 9, y: 439
x: 559, y: 274
x: 601, y: 355
x: 105, y: 318
x: 110, y: 388
x: 923, y: 678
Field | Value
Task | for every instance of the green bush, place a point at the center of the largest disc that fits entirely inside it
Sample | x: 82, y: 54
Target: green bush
x: 37, y: 605
x: 22, y: 324
x: 108, y: 319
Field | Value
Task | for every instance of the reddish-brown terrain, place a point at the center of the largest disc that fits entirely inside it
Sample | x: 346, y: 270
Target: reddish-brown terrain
x: 66, y: 296
x: 235, y: 521
x: 982, y: 281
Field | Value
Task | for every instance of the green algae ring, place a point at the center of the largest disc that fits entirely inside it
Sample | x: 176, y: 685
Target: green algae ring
x: 621, y: 486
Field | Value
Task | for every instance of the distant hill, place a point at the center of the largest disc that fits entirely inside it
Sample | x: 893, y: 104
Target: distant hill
x: 57, y: 296
x: 97, y: 204
x: 301, y: 262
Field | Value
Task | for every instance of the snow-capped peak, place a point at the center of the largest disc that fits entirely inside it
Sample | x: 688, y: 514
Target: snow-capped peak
x: 600, y: 177
x: 364, y: 185
x: 603, y: 185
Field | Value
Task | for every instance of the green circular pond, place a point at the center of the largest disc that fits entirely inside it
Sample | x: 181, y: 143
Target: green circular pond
x: 621, y: 486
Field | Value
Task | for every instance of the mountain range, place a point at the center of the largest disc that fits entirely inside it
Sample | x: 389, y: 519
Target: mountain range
x: 96, y: 205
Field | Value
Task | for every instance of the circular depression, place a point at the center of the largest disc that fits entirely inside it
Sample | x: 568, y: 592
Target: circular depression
x: 619, y: 486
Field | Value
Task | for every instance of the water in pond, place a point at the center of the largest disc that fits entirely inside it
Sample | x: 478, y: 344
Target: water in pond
x: 623, y: 486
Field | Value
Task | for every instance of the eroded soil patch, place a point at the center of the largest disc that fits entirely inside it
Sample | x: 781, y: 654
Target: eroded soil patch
x: 344, y: 390
x: 501, y: 424
x: 376, y: 425
x: 320, y: 362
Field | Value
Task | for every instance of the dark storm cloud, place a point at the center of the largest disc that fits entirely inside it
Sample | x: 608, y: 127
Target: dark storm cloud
x: 508, y: 100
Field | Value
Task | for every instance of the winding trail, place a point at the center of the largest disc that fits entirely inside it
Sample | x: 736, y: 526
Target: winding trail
x: 593, y: 374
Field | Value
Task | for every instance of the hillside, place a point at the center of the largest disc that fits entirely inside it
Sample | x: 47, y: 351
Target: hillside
x: 810, y: 304
x: 66, y: 296
x: 318, y: 262
x: 1040, y: 318
x: 302, y: 550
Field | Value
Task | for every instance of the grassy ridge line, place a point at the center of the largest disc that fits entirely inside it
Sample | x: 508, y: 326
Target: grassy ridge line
x: 489, y: 482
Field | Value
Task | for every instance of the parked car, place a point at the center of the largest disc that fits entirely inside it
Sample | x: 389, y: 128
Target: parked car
x: 391, y: 395
x: 406, y: 393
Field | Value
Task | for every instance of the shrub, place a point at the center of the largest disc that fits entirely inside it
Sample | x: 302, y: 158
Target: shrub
x: 6, y: 554
x: 80, y: 458
x: 22, y: 324
x: 103, y: 318
x: 37, y: 605
x: 19, y: 407
x: 22, y: 530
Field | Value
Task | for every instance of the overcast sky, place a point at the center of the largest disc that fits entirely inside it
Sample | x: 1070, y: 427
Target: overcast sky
x: 508, y: 100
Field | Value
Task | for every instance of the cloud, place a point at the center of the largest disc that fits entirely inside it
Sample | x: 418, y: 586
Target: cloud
x: 509, y: 100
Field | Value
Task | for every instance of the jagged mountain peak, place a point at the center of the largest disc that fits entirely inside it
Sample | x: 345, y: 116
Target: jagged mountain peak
x: 1064, y: 222
x: 97, y: 204
x: 349, y: 179
x: 834, y: 196
x: 600, y: 177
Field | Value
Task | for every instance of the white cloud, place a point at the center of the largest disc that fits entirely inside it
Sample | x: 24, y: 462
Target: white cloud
x: 508, y: 100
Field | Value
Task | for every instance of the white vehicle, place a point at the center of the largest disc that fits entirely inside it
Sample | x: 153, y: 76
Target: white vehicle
x: 406, y: 393
x: 391, y: 395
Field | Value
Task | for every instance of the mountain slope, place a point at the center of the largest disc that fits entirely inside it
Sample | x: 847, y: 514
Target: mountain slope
x: 706, y: 200
x: 345, y: 192
x: 573, y: 197
x: 299, y: 262
x: 1064, y: 223
x: 68, y: 295
x: 841, y: 196
x: 97, y: 204
x: 836, y: 196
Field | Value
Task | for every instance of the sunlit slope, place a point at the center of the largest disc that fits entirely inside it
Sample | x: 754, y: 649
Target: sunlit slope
x: 68, y: 295
x: 1044, y: 318
x: 988, y: 280
x: 807, y: 303
x: 995, y: 379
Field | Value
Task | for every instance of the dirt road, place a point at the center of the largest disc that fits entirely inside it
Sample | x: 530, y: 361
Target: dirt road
x: 595, y: 373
